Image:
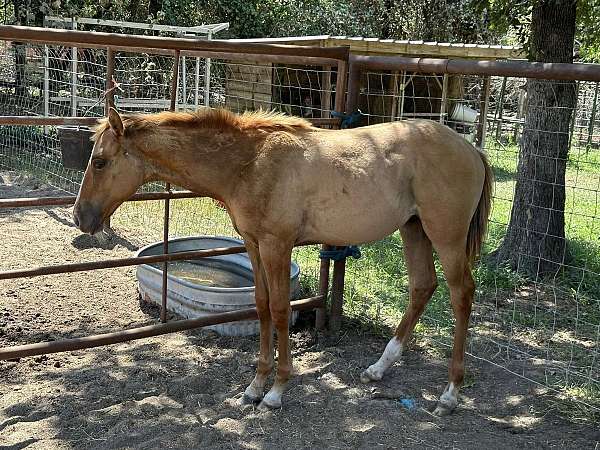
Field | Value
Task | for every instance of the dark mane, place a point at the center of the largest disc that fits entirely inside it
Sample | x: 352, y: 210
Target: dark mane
x: 221, y: 119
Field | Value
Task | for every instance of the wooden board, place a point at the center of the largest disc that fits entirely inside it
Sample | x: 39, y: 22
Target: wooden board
x: 248, y: 86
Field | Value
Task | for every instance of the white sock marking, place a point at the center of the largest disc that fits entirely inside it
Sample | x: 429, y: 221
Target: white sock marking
x: 255, y: 389
x: 391, y: 354
x: 273, y: 397
x: 450, y: 396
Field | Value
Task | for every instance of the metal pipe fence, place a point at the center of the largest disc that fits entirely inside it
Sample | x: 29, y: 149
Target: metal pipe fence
x: 545, y: 329
x: 139, y: 83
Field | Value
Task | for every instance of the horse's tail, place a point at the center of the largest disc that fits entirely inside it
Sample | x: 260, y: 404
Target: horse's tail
x: 479, y: 222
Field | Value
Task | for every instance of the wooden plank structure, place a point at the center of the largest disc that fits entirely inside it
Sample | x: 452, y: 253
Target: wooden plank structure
x: 390, y: 95
x: 248, y: 86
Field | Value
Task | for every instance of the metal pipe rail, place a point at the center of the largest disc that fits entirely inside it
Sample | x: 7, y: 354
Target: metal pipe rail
x: 70, y: 199
x: 47, y: 120
x: 74, y: 38
x: 121, y: 262
x: 248, y: 58
x: 524, y: 69
x: 65, y: 345
x: 91, y: 121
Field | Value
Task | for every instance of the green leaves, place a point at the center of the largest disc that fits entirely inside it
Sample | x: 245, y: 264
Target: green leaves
x: 510, y: 16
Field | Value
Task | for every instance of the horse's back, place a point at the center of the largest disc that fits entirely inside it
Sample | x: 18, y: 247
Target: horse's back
x: 360, y: 185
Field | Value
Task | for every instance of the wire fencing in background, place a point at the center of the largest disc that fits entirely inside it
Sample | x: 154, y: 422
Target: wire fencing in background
x: 544, y: 328
x: 547, y: 330
x: 47, y: 83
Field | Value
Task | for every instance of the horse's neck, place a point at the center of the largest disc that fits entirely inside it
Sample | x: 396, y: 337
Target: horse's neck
x: 207, y: 163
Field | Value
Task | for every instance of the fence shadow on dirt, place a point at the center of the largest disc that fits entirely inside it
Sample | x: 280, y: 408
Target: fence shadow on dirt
x: 183, y: 391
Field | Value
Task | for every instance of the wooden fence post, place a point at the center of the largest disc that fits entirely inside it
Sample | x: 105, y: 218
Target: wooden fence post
x: 483, y: 112
x: 347, y: 105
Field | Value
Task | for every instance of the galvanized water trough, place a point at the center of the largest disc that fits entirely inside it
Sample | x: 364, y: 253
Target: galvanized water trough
x: 208, y: 286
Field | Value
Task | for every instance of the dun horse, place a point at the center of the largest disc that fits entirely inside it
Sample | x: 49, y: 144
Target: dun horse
x: 285, y: 183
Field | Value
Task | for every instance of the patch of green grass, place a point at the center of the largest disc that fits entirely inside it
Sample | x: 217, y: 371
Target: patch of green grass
x: 580, y: 403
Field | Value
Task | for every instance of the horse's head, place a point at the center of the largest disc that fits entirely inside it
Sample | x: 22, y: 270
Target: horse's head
x: 113, y: 174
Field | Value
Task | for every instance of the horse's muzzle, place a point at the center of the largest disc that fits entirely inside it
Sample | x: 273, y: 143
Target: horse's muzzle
x: 87, y: 217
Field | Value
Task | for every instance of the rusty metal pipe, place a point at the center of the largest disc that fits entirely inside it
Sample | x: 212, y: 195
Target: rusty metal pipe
x: 65, y: 345
x: 165, y: 271
x: 243, y: 58
x: 165, y: 277
x: 110, y: 73
x: 109, y: 101
x: 525, y: 69
x: 121, y: 262
x: 353, y: 89
x: 175, y: 81
x: 97, y: 39
x: 262, y: 59
x: 325, y: 121
x: 43, y: 120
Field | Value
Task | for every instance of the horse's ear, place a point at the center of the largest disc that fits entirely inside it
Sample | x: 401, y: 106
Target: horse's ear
x: 115, y: 122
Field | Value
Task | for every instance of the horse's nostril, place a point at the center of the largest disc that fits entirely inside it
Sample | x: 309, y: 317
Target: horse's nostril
x: 76, y: 219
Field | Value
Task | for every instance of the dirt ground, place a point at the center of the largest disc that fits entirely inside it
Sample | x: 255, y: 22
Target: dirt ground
x: 183, y: 390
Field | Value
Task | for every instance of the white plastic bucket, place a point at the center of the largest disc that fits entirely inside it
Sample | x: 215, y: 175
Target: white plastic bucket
x: 462, y: 113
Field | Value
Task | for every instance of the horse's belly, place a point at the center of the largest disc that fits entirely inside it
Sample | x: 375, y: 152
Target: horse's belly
x: 353, y: 223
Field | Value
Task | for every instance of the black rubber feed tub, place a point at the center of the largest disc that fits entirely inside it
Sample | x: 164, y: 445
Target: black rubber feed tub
x: 75, y: 146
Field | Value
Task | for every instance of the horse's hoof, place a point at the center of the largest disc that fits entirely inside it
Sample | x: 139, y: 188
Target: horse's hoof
x: 442, y: 410
x: 250, y: 400
x: 252, y: 395
x: 448, y: 401
x: 367, y: 376
x: 266, y: 406
x: 262, y: 406
x: 270, y: 402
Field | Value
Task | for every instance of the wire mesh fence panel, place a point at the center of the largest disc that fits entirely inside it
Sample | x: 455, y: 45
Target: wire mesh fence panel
x: 544, y: 326
x: 553, y: 185
x: 144, y: 82
x: 40, y: 80
x: 298, y: 90
x: 50, y: 81
x: 36, y: 82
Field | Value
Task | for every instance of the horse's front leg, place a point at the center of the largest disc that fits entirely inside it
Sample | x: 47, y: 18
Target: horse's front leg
x: 276, y: 256
x: 254, y: 392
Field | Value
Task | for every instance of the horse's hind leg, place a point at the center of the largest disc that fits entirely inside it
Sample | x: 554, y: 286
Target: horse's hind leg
x: 462, y: 287
x: 422, y: 284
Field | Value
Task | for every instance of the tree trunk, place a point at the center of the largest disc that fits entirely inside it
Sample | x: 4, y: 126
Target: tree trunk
x: 535, y: 242
x: 388, y: 17
x: 154, y: 7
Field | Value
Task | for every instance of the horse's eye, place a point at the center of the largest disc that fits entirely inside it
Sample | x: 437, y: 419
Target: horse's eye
x: 99, y: 164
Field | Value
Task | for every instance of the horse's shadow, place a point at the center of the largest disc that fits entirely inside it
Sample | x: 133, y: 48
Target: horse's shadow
x: 106, y: 240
